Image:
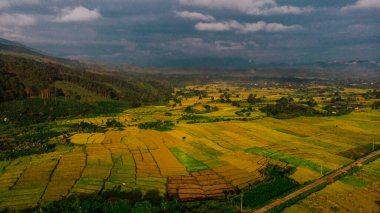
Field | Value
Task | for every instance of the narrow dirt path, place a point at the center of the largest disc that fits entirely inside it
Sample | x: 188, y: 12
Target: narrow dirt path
x: 323, y: 180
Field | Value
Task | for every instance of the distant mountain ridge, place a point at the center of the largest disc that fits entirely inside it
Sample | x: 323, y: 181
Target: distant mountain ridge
x: 11, y: 46
x: 343, y: 69
x: 15, y: 48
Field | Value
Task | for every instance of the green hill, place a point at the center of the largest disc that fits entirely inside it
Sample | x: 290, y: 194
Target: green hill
x: 25, y: 73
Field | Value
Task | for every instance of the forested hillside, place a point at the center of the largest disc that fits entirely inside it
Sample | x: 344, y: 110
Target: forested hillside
x: 23, y: 77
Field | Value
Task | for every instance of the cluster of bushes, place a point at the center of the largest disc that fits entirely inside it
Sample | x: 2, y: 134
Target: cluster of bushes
x: 192, y: 117
x: 245, y: 112
x: 85, y: 127
x: 288, y: 108
x: 374, y: 94
x: 339, y: 106
x: 337, y: 109
x: 192, y: 93
x: 114, y: 123
x: 225, y: 98
x: 157, y: 125
x: 207, y: 109
x: 252, y: 99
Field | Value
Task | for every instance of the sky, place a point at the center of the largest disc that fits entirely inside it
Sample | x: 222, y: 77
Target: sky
x: 196, y: 33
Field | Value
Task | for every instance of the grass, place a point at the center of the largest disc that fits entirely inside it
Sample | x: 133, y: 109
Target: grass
x: 354, y: 181
x: 190, y: 163
x: 75, y: 90
x: 3, y: 164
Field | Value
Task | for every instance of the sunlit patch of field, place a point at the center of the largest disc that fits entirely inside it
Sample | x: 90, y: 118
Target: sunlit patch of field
x: 357, y: 192
x: 302, y: 175
x: 122, y: 118
x: 87, y: 138
x: 354, y: 90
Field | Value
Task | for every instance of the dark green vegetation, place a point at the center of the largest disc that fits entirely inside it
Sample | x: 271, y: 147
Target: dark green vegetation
x: 20, y: 141
x: 200, y: 109
x: 37, y: 110
x: 114, y: 123
x: 266, y: 191
x: 287, y: 108
x: 10, y: 87
x: 112, y: 201
x: 84, y: 127
x: 157, y: 125
x: 133, y: 202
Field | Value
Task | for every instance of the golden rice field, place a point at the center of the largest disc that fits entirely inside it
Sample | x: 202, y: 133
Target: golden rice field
x: 201, y: 160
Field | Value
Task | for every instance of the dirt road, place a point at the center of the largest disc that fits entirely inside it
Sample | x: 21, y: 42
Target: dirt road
x: 323, y: 180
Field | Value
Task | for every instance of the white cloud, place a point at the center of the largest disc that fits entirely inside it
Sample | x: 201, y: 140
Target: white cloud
x: 233, y: 25
x: 194, y: 16
x: 219, y: 26
x: 78, y: 14
x: 251, y: 7
x: 363, y: 4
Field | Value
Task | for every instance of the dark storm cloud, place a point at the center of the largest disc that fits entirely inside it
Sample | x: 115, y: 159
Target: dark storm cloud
x: 175, y: 32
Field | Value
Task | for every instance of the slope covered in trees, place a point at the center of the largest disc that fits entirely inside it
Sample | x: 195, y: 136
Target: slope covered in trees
x: 23, y: 77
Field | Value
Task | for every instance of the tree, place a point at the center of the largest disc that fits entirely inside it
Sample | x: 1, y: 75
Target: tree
x: 311, y: 102
x: 251, y: 98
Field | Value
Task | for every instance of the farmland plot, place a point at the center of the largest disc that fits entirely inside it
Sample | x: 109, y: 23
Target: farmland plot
x: 67, y: 172
x: 98, y: 167
x: 29, y: 187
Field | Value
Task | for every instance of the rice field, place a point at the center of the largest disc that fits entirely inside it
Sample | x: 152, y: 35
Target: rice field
x: 201, y: 160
